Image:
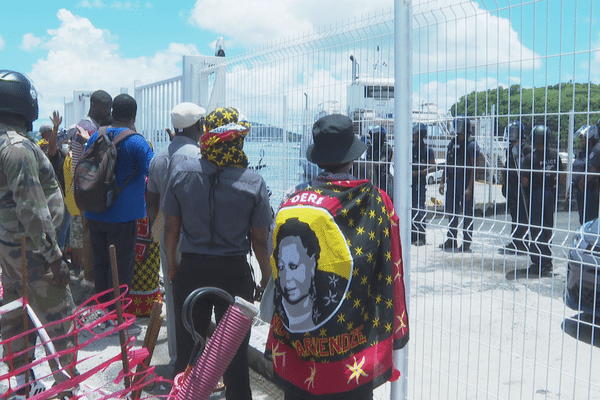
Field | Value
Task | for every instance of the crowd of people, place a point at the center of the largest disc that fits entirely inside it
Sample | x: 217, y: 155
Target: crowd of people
x: 331, y: 251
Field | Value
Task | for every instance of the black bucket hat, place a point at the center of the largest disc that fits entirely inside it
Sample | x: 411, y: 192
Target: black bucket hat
x: 335, y: 141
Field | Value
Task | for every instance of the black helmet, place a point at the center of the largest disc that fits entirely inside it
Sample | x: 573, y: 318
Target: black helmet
x: 377, y: 135
x: 514, y: 131
x: 18, y: 96
x: 461, y: 124
x: 421, y: 129
x: 541, y: 134
x: 588, y: 132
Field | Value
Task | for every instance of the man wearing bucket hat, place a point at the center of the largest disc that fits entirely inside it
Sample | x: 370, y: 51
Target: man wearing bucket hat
x: 337, y: 269
x: 188, y: 123
x: 216, y: 209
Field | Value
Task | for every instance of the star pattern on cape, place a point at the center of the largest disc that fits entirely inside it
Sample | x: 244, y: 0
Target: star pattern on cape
x: 357, y: 370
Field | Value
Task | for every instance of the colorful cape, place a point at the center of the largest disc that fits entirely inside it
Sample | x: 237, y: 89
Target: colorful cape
x: 339, y: 292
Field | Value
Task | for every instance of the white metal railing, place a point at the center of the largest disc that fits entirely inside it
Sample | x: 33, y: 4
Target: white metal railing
x: 155, y: 102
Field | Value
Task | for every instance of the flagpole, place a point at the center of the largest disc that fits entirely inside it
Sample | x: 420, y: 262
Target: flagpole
x: 402, y: 159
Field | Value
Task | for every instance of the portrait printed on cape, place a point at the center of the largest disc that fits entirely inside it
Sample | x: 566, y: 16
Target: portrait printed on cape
x: 312, y: 267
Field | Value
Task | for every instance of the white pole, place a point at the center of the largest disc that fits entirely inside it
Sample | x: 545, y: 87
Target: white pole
x: 402, y: 160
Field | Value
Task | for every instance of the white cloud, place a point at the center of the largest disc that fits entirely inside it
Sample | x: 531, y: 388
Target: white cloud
x: 126, y: 5
x: 90, y: 4
x: 83, y: 57
x: 447, y: 93
x: 460, y: 34
x: 31, y: 42
x: 1, y: 43
x: 258, y: 22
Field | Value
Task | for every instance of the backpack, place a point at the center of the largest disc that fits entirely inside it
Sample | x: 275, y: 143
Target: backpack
x: 94, y: 182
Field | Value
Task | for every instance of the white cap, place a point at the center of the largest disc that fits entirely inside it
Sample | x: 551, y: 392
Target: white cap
x: 186, y: 114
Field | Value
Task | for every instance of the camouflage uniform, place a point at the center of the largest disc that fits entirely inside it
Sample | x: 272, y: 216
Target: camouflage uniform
x: 31, y: 203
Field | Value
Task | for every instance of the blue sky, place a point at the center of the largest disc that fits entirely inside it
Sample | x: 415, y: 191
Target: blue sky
x: 67, y: 45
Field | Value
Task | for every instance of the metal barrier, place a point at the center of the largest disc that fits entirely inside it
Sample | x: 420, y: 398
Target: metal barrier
x: 481, y: 326
x: 155, y: 102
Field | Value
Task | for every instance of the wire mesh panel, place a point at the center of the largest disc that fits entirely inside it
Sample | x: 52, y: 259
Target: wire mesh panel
x: 504, y: 177
x: 488, y: 316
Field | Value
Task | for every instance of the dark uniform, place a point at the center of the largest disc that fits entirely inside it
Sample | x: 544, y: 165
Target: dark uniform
x: 586, y: 161
x: 541, y: 170
x: 378, y: 158
x: 461, y: 159
x: 422, y: 158
x: 512, y: 190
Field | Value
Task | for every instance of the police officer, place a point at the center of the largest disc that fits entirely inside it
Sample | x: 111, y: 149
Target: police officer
x: 377, y: 162
x: 33, y: 206
x: 423, y: 162
x: 587, y: 161
x: 511, y: 187
x: 459, y: 177
x: 540, y: 176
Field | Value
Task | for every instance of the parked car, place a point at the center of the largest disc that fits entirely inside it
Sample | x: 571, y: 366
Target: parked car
x: 436, y: 176
x: 582, y: 292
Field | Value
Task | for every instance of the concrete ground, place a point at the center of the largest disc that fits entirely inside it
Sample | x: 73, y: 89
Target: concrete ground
x: 480, y: 328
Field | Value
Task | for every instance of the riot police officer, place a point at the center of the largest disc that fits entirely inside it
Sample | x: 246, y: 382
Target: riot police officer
x: 423, y: 162
x: 376, y: 165
x: 541, y: 177
x: 459, y: 178
x: 511, y: 187
x: 586, y: 162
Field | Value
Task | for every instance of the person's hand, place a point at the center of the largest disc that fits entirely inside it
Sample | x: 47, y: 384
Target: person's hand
x: 172, y: 273
x: 60, y: 273
x: 83, y: 134
x: 260, y: 289
x: 441, y: 188
x: 56, y: 120
x: 468, y: 193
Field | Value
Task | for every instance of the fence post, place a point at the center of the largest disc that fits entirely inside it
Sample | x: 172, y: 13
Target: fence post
x: 402, y: 160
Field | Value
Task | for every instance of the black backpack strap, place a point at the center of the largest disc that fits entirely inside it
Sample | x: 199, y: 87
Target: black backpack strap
x: 120, y: 137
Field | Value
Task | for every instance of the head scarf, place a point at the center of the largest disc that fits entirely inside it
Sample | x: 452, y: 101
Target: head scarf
x: 224, y: 138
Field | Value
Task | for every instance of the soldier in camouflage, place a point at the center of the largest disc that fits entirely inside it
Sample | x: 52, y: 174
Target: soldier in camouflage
x: 31, y: 203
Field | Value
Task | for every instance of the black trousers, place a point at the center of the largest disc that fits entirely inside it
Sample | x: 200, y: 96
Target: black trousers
x: 542, y: 224
x: 232, y: 274
x: 518, y: 213
x: 123, y: 236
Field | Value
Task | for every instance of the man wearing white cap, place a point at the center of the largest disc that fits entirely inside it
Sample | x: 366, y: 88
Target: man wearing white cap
x: 188, y: 122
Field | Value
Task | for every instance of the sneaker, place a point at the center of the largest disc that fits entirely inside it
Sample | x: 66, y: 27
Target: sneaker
x: 448, y: 245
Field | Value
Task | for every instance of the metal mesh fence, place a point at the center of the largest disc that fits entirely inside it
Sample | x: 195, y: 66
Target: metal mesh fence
x: 487, y: 311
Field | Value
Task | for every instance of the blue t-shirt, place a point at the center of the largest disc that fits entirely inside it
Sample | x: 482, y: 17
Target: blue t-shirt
x: 133, y: 155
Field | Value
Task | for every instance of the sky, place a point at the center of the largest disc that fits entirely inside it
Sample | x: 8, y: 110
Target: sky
x: 67, y: 45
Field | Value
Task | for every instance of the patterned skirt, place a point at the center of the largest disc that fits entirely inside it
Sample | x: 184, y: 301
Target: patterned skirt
x: 145, y: 289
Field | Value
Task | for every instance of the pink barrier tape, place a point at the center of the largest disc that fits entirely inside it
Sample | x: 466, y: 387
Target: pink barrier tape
x: 215, y: 359
x: 86, y: 318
